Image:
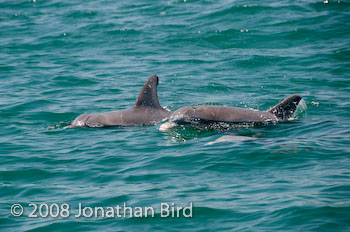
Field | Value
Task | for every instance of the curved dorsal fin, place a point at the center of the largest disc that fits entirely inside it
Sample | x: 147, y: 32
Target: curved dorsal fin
x: 148, y: 95
x: 286, y: 108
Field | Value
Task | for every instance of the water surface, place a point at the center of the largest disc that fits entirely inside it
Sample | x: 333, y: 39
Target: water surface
x: 59, y: 59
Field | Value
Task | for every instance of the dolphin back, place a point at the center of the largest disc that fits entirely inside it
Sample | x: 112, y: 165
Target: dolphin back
x: 286, y: 108
x: 146, y: 111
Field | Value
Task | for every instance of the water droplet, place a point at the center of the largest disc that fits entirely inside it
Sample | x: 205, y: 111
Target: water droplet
x: 315, y: 103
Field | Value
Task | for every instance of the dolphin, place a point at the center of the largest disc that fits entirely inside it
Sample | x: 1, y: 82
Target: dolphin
x: 146, y: 111
x: 231, y: 138
x: 223, y: 115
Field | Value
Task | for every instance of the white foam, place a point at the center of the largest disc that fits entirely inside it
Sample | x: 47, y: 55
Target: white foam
x: 301, y: 108
x: 166, y: 126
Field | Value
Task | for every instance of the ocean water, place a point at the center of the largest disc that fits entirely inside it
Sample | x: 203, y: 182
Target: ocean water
x: 59, y: 59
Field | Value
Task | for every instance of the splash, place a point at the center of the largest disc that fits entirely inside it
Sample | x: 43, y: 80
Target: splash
x: 300, y: 111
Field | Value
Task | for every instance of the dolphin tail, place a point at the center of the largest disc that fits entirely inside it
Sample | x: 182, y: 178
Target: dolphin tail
x: 148, y: 95
x: 286, y: 108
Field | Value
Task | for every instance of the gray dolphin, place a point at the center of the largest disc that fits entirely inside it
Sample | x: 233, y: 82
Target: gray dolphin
x: 146, y: 111
x: 218, y: 115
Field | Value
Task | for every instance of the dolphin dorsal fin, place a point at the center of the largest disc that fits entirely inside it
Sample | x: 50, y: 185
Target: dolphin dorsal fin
x: 148, y: 95
x: 286, y: 108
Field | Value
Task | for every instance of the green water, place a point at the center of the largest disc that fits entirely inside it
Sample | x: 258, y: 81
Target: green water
x: 59, y: 59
